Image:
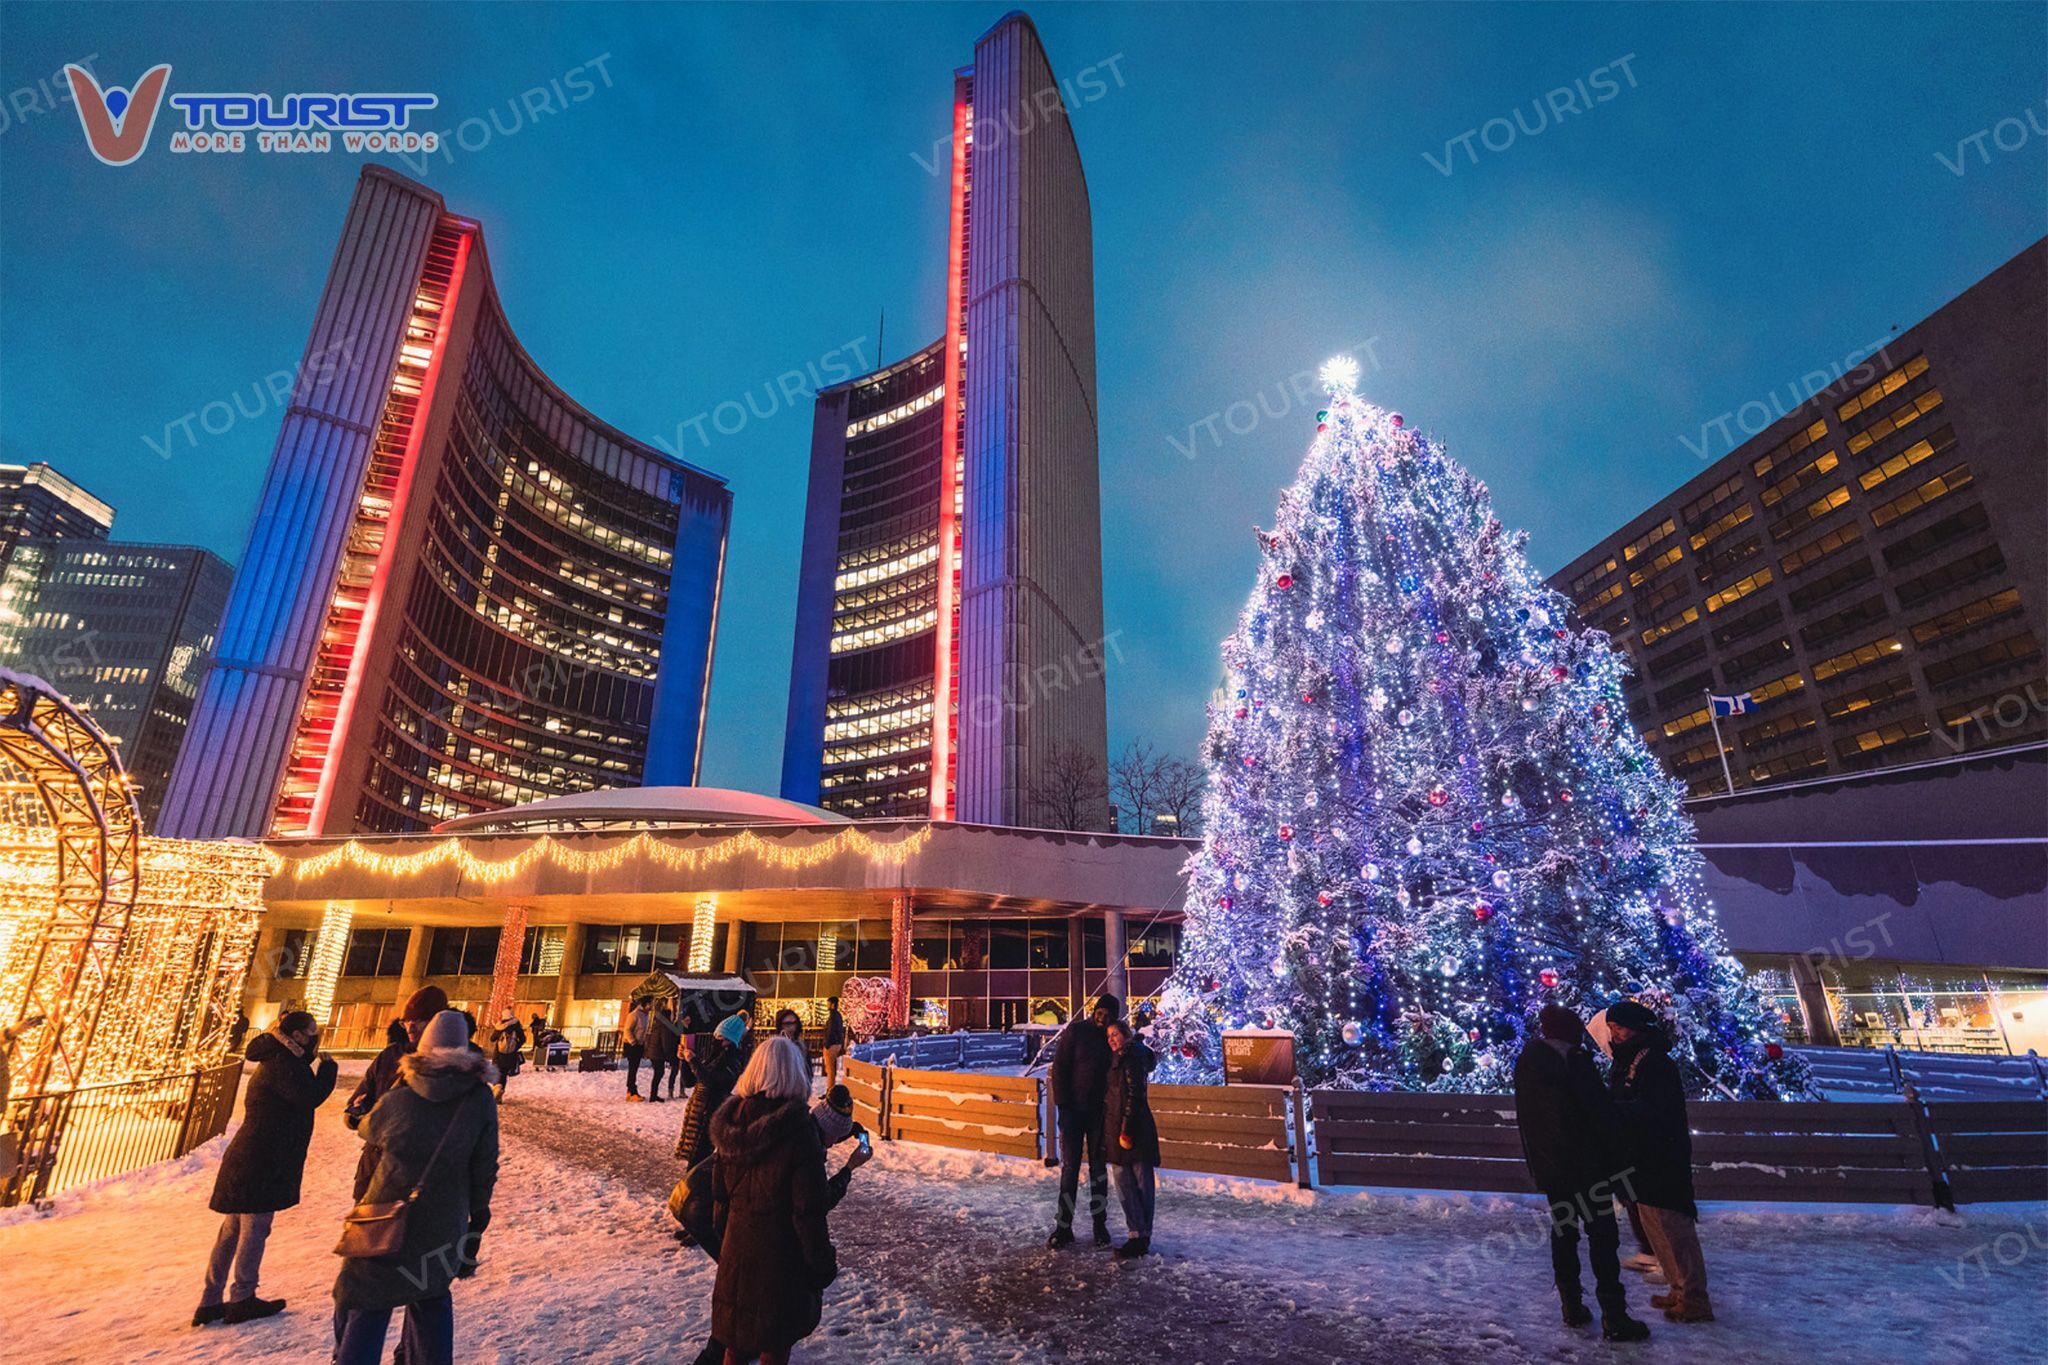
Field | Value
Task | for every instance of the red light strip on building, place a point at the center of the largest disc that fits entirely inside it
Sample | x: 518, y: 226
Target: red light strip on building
x: 946, y: 634
x: 309, y: 786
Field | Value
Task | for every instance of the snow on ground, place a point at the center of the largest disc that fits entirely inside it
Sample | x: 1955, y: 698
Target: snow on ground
x: 941, y: 1256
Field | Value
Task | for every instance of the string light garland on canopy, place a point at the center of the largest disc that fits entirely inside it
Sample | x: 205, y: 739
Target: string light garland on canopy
x: 561, y: 856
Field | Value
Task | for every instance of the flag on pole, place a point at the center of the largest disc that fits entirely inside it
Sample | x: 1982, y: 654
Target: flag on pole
x: 1739, y: 704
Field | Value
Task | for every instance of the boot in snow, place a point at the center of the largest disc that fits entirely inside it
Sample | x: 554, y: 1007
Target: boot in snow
x: 1102, y: 1232
x: 1133, y: 1249
x: 250, y: 1309
x: 208, y: 1312
x: 1061, y: 1237
x: 1576, y: 1314
x: 1616, y: 1324
x: 1689, y: 1312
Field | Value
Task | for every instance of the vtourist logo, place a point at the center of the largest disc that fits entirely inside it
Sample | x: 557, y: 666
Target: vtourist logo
x: 118, y: 122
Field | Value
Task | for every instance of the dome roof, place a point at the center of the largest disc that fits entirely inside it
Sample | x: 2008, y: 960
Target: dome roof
x: 644, y: 807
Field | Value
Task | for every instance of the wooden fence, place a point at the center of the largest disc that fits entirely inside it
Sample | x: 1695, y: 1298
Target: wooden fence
x: 945, y: 1050
x: 1226, y: 1130
x: 1936, y: 1076
x: 1991, y: 1149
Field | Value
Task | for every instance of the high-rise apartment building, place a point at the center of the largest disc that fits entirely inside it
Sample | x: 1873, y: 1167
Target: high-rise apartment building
x: 1869, y: 568
x: 37, y: 501
x: 949, y: 639
x: 462, y: 590
x: 125, y: 630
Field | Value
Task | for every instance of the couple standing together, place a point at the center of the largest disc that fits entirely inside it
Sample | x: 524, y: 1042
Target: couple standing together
x: 1099, y: 1088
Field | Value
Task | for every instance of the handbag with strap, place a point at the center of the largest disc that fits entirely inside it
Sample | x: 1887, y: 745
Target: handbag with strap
x: 374, y: 1230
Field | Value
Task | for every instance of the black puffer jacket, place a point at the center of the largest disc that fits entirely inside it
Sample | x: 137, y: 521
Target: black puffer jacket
x: 1080, y: 1073
x: 261, y: 1169
x: 1657, y: 1139
x: 1127, y: 1108
x: 718, y: 1065
x: 1568, y: 1123
x: 445, y: 1092
x: 775, y: 1254
x: 382, y: 1075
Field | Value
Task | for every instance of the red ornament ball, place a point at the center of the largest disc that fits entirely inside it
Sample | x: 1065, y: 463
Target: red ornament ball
x: 1557, y: 672
x: 1242, y: 713
x: 1482, y: 911
x: 1223, y: 902
x: 1443, y: 637
x: 1773, y: 1051
x: 1548, y: 978
x: 1565, y: 795
x: 1284, y: 581
x: 1396, y: 419
x: 1323, y: 898
x: 1189, y: 1050
x: 1308, y: 699
x: 1479, y: 827
x: 1438, y: 796
x: 1287, y: 831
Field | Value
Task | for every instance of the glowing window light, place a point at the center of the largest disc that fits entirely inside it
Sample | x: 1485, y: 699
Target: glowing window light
x: 701, y: 930
x: 328, y: 949
x: 828, y: 949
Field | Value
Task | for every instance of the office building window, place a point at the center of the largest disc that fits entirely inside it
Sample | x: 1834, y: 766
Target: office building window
x: 463, y: 952
x: 294, y: 954
x: 375, y: 952
x: 1938, y: 487
x: 1784, y: 451
x: 1890, y: 383
x: 1864, y: 655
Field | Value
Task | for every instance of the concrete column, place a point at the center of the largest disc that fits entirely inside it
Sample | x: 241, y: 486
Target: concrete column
x: 734, y: 930
x: 1113, y: 948
x: 1813, y: 1004
x: 413, y: 974
x: 1077, y: 967
x: 572, y: 963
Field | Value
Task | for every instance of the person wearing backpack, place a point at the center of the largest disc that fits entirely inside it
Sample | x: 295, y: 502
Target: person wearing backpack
x: 436, y: 1134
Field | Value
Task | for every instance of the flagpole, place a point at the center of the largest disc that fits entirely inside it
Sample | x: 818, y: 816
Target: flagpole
x: 1714, y: 719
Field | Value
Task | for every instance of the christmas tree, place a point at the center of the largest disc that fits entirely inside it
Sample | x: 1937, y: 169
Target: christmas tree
x: 1427, y: 813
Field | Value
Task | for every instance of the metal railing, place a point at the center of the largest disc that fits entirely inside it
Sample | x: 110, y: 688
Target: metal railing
x: 70, y: 1138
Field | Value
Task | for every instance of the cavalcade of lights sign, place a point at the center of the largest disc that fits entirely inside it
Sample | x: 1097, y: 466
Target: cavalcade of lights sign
x: 118, y: 121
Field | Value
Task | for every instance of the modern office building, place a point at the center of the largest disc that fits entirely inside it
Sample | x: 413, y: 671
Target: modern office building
x: 462, y: 591
x: 948, y: 660
x: 1869, y: 568
x: 123, y: 630
x: 37, y: 501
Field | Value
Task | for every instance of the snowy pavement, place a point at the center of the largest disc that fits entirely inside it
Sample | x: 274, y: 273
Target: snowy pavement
x: 941, y: 1257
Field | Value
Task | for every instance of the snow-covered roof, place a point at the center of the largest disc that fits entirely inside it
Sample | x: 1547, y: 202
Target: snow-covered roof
x: 644, y: 808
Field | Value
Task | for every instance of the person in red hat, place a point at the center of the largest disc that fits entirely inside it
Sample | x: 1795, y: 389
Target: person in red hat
x: 420, y: 1009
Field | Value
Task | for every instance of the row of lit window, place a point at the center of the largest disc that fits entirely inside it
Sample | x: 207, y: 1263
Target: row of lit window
x: 1940, y: 486
x: 1648, y: 538
x: 872, y: 565
x: 1786, y: 449
x: 903, y: 629
x: 880, y: 723
x: 1890, y: 383
x: 1722, y: 526
x: 1902, y: 416
x: 895, y: 414
x: 1809, y: 473
x: 1638, y: 577
x: 1738, y: 590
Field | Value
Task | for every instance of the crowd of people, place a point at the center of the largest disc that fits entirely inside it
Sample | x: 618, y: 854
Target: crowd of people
x: 1591, y: 1144
x: 754, y: 1193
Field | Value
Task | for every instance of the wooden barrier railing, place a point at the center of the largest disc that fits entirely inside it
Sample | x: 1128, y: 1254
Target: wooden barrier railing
x: 865, y: 1082
x: 1935, y: 1076
x: 1225, y: 1130
x: 979, y: 1112
x: 1991, y: 1149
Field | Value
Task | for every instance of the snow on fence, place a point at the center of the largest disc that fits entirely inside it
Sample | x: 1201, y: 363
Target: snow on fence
x: 952, y: 1051
x: 1933, y: 1075
x: 1226, y: 1130
x: 1903, y: 1152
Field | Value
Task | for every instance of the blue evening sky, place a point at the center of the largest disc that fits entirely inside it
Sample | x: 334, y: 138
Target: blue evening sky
x: 1759, y: 192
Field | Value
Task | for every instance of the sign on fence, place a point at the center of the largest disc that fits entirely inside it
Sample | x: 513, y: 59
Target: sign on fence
x: 1258, y: 1057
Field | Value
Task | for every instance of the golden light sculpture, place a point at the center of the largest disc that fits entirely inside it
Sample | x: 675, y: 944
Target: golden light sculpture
x: 702, y: 929
x: 325, y: 969
x: 63, y: 959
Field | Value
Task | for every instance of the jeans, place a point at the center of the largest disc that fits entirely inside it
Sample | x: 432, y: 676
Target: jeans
x: 1137, y: 1189
x: 1569, y: 1209
x: 237, y: 1258
x: 427, y: 1339
x: 1677, y: 1242
x: 1072, y: 1136
x: 634, y: 1052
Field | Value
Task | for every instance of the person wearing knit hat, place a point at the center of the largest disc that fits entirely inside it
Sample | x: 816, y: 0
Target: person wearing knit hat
x: 419, y: 1009
x: 1568, y: 1130
x: 720, y: 1059
x: 436, y: 1132
x: 508, y: 1049
x: 733, y: 1028
x: 1649, y: 1094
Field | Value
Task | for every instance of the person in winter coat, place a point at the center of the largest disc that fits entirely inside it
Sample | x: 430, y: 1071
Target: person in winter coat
x: 775, y: 1254
x: 508, y: 1046
x: 720, y: 1060
x: 1650, y: 1095
x: 1080, y: 1078
x: 1569, y: 1142
x: 835, y: 1040
x: 1133, y: 1136
x: 662, y: 1042
x: 634, y: 1044
x: 238, y: 1032
x: 437, y: 1130
x: 261, y: 1170
x: 536, y: 1035
x: 420, y: 1008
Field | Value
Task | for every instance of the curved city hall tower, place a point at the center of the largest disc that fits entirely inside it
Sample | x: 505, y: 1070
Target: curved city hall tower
x: 462, y: 591
x: 949, y: 636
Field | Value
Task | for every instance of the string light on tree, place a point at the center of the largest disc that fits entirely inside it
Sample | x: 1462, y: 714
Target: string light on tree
x: 1437, y: 741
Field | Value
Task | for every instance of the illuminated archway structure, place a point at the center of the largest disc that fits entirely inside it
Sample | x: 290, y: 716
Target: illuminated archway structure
x: 83, y: 791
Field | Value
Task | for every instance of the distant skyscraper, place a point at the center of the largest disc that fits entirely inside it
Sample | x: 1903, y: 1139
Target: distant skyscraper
x: 35, y: 500
x: 949, y: 639
x: 1868, y: 571
x: 462, y: 590
x: 126, y: 630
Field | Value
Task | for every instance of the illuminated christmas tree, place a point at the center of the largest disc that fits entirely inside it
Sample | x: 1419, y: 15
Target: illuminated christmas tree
x: 1427, y: 813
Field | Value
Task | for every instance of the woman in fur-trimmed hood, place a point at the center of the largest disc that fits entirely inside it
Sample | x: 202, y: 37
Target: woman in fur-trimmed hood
x: 443, y: 1090
x: 775, y: 1254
